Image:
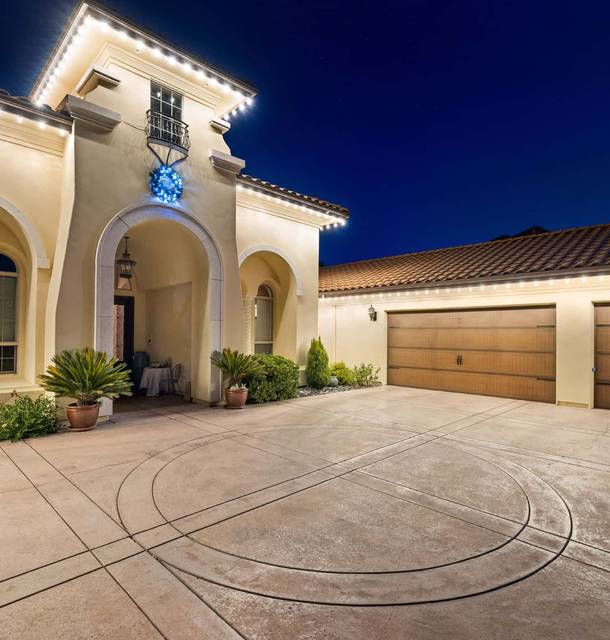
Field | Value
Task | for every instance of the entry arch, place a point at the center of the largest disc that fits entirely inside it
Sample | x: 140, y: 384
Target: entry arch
x: 105, y: 273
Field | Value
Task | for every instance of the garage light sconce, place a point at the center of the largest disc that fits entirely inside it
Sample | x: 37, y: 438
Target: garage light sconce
x: 372, y: 314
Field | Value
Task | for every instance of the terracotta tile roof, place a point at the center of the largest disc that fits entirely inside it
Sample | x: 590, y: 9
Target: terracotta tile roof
x: 282, y: 191
x: 568, y: 250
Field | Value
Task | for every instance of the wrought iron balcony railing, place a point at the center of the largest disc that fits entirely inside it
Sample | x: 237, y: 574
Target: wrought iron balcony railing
x: 168, y: 131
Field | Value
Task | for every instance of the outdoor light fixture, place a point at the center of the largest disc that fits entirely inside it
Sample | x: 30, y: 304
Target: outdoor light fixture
x: 372, y: 314
x: 124, y: 268
x: 166, y: 184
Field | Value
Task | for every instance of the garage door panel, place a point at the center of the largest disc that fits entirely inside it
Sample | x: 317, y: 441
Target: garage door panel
x: 602, y: 366
x: 515, y: 318
x: 602, y: 338
x: 497, y: 339
x: 602, y: 396
x: 503, y: 352
x: 520, y: 387
x: 511, y: 362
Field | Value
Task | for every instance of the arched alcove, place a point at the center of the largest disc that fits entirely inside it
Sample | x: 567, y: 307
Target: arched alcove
x: 139, y: 222
x: 268, y: 270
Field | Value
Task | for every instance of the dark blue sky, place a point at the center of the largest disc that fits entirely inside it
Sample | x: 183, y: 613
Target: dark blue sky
x: 436, y: 123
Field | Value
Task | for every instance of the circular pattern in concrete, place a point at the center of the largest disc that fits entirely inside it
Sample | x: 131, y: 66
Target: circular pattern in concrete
x: 405, y: 520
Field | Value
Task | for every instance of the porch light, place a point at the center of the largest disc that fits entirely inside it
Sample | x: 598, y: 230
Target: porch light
x: 124, y: 267
x: 372, y: 314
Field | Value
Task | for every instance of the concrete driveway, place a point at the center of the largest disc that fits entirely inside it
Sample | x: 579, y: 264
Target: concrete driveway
x: 387, y: 513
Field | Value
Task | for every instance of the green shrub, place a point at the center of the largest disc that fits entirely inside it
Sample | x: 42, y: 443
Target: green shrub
x: 236, y: 366
x: 27, y: 418
x: 365, y: 375
x: 344, y: 374
x: 276, y: 379
x: 87, y: 376
x: 317, y: 371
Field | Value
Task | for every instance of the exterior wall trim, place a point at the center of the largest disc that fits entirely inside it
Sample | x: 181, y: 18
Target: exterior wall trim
x: 255, y: 248
x: 40, y: 258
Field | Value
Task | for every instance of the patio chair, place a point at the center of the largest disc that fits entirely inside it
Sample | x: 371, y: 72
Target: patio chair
x: 173, y: 382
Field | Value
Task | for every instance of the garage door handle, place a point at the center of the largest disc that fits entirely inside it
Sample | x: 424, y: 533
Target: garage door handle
x: 458, y: 359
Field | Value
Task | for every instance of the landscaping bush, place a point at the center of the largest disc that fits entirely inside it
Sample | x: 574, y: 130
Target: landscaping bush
x: 317, y: 371
x: 365, y: 375
x: 277, y: 379
x: 27, y: 418
x: 345, y: 375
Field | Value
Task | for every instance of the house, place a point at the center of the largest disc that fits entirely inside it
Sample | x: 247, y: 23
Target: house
x: 524, y: 317
x: 126, y: 223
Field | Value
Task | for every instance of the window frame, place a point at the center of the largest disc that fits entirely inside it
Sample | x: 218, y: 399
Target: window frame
x: 174, y: 102
x: 12, y: 343
x: 271, y: 298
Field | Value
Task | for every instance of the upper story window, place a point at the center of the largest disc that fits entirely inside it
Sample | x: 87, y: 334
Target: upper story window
x: 165, y: 123
x: 8, y: 315
x: 165, y: 101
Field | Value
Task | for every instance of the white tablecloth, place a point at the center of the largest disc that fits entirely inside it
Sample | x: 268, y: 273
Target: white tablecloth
x: 152, y: 380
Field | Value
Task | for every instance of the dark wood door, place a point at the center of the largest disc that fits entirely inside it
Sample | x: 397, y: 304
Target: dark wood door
x: 602, y: 356
x: 508, y: 352
x: 123, y: 329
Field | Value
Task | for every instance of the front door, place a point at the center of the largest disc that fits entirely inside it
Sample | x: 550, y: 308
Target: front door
x: 122, y: 329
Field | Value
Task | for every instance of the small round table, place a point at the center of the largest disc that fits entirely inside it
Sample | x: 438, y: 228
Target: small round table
x: 153, y: 379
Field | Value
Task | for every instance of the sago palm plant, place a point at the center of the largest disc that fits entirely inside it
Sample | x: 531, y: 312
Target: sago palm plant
x: 236, y: 366
x: 87, y: 376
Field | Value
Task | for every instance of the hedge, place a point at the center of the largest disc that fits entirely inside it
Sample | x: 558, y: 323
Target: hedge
x: 27, y: 418
x: 278, y: 379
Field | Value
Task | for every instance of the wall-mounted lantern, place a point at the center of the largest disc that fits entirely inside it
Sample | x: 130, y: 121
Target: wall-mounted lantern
x: 372, y: 314
x: 124, y: 269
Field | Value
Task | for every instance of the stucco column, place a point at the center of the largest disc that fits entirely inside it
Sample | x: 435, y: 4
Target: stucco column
x: 247, y: 324
x: 575, y: 349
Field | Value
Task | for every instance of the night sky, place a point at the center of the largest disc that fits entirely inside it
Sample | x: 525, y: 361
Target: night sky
x: 435, y: 122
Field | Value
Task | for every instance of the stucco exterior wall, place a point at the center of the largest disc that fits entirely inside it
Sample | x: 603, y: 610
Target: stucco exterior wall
x: 265, y: 230
x: 111, y: 176
x: 32, y: 163
x: 349, y: 335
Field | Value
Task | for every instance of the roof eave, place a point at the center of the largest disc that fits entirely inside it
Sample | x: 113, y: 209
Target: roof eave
x: 13, y: 105
x: 501, y: 279
x: 293, y: 196
x: 80, y: 13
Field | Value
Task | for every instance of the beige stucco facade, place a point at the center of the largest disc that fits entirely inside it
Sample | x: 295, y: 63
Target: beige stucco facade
x: 73, y: 188
x: 352, y: 337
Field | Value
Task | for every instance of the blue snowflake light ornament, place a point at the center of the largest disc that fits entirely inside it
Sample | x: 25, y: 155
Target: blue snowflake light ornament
x: 166, y: 184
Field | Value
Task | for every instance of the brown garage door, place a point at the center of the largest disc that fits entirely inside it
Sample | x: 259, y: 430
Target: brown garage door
x: 507, y: 352
x: 602, y: 356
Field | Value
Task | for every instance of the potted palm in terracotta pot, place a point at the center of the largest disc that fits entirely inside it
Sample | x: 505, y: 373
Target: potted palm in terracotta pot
x: 87, y: 376
x: 236, y: 366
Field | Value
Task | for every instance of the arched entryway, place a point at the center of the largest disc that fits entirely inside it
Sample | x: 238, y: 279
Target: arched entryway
x: 270, y: 290
x: 23, y: 329
x: 177, y: 291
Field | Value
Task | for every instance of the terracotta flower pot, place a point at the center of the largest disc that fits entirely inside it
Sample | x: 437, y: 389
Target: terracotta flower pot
x: 236, y: 398
x: 83, y: 418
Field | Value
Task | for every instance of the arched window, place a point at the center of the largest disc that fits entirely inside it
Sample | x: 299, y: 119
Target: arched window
x: 263, y: 320
x: 8, y: 315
